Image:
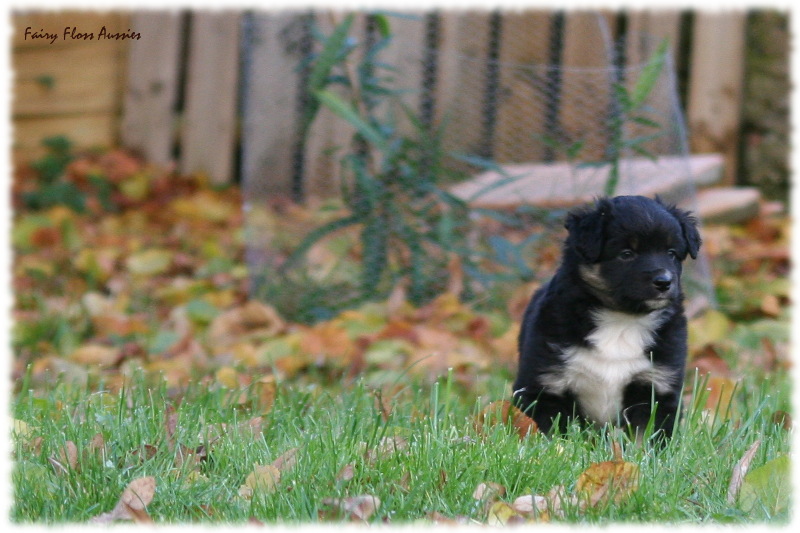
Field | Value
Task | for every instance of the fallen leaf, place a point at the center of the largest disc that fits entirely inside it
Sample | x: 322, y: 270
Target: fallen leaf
x: 488, y: 491
x: 501, y: 514
x: 739, y: 471
x: 356, y: 507
x: 132, y: 503
x: 768, y: 486
x: 608, y: 481
x: 263, y: 479
x: 387, y: 447
x: 533, y: 505
x: 504, y: 412
x: 149, y: 262
x: 95, y: 354
x: 346, y: 473
x: 287, y: 460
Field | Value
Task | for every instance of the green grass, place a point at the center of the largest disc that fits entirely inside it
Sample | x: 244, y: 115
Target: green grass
x: 444, y: 461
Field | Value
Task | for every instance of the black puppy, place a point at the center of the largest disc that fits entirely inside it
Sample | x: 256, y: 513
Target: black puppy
x: 605, y: 339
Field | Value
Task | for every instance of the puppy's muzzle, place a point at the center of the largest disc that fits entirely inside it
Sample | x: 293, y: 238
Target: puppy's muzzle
x: 662, y: 280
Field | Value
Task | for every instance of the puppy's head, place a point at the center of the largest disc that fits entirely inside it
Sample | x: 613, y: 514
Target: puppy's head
x: 629, y: 251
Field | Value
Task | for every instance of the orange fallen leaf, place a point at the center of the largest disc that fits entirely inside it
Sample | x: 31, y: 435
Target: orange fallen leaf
x: 608, y: 481
x: 504, y: 412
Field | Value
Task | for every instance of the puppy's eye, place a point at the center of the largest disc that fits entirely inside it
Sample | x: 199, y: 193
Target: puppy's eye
x: 626, y: 255
x: 672, y: 253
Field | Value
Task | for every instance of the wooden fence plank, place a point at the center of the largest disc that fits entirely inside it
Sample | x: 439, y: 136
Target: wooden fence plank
x: 153, y: 67
x: 716, y: 82
x: 270, y: 106
x: 646, y: 29
x: 330, y: 136
x: 74, y: 80
x: 463, y: 50
x: 524, y: 55
x: 406, y: 53
x: 586, y: 82
x: 209, y: 120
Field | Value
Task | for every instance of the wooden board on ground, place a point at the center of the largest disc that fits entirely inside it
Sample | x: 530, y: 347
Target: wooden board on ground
x: 564, y: 184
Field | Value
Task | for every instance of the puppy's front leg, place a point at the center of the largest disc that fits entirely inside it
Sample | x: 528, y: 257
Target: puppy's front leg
x: 639, y: 403
x: 546, y: 408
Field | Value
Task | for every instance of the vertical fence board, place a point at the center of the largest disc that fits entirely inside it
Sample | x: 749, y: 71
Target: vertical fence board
x: 406, y: 53
x: 330, y: 136
x: 586, y: 82
x: 153, y: 67
x: 645, y: 31
x: 716, y: 82
x: 463, y: 49
x: 270, y: 104
x: 521, y: 110
x: 209, y: 120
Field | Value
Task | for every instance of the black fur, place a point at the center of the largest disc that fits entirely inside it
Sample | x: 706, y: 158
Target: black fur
x: 620, y: 274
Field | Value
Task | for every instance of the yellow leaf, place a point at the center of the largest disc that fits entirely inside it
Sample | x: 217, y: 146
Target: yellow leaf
x: 21, y: 429
x: 136, y: 186
x: 263, y: 479
x: 501, y: 514
x: 150, y: 262
x: 713, y: 326
x: 227, y: 377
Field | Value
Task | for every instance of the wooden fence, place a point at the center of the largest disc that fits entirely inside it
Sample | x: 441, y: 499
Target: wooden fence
x: 221, y: 92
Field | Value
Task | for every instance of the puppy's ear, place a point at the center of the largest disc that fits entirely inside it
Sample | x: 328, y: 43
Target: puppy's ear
x: 586, y: 229
x: 689, y: 226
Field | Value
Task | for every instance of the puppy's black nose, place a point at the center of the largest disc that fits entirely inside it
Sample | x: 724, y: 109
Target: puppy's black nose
x: 663, y: 280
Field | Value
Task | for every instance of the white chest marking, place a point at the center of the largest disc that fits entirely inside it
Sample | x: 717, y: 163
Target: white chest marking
x: 599, y: 373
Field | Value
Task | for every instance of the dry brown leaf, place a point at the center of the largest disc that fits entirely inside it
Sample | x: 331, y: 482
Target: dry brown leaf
x: 95, y: 354
x: 253, y: 318
x: 132, y: 503
x: 67, y: 458
x: 346, y: 473
x: 356, y: 507
x: 504, y: 412
x: 263, y: 479
x: 608, y: 480
x: 287, y: 460
x: 488, y: 491
x: 266, y: 389
x: 739, y: 471
x: 387, y: 447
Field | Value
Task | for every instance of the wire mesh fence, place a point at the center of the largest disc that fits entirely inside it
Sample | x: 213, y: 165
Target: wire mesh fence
x: 459, y: 184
